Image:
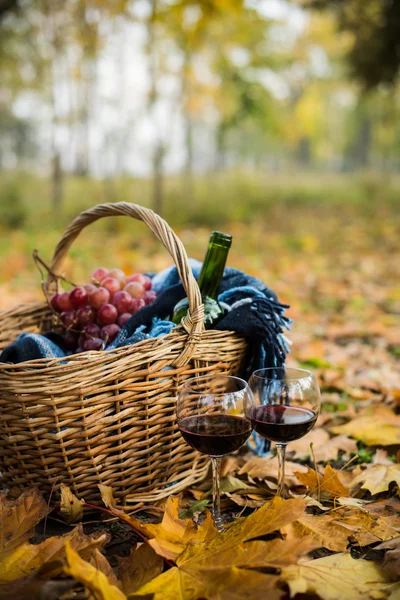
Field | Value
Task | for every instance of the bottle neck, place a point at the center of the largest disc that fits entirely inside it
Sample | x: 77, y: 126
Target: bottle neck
x: 213, y: 266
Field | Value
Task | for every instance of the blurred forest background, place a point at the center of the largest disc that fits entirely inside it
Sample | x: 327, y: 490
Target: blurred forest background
x: 274, y: 120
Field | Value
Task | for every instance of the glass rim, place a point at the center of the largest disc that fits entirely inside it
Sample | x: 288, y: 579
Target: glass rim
x: 191, y: 380
x: 302, y: 373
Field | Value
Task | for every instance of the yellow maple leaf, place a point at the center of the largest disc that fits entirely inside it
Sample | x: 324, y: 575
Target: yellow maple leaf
x: 93, y: 579
x: 26, y: 559
x: 330, y: 482
x: 170, y: 537
x: 337, y: 576
x: 377, y: 478
x: 224, y: 566
x: 380, y: 428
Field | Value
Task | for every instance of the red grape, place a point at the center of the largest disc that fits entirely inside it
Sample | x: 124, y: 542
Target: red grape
x: 54, y: 302
x: 68, y: 318
x: 111, y: 284
x: 89, y: 287
x: 144, y: 280
x: 93, y: 344
x: 107, y: 314
x: 99, y: 297
x: 78, y: 296
x: 70, y: 340
x: 108, y: 333
x: 64, y: 302
x: 86, y: 315
x: 91, y: 330
x: 124, y: 318
x: 99, y: 274
x: 138, y: 303
x: 149, y: 297
x: 123, y: 302
x: 119, y: 275
x: 135, y: 289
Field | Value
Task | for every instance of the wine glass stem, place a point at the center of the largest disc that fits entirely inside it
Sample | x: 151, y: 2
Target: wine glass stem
x: 281, y: 451
x: 216, y: 468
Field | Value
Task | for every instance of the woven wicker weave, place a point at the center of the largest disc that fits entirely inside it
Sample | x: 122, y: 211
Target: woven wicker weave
x: 108, y: 417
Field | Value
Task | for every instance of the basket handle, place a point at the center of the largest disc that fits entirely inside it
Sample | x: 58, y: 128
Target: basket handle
x: 193, y: 322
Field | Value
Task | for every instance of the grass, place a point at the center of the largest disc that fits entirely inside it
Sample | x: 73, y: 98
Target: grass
x: 287, y: 228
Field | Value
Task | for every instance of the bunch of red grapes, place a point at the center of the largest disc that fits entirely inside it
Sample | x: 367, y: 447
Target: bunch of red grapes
x: 93, y: 314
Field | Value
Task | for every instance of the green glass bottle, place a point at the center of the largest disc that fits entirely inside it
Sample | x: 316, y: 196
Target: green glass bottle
x: 209, y: 281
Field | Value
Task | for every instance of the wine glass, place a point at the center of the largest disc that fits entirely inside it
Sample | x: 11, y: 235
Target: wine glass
x: 214, y: 417
x: 287, y: 403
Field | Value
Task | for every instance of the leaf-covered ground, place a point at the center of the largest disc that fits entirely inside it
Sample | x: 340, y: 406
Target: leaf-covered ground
x: 338, y: 536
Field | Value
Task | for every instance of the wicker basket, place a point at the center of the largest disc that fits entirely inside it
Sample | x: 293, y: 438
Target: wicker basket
x: 108, y: 417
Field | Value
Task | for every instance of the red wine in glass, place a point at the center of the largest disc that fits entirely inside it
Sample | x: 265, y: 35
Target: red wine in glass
x: 280, y: 423
x: 215, y: 435
x: 287, y: 402
x: 214, y: 417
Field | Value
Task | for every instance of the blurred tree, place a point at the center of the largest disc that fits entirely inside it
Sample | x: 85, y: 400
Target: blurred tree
x: 375, y: 29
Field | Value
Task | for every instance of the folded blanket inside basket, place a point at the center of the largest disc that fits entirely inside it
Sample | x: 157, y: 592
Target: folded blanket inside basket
x: 252, y: 310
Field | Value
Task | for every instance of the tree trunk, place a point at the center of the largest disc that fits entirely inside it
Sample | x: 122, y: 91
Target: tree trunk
x: 158, y: 180
x: 57, y: 186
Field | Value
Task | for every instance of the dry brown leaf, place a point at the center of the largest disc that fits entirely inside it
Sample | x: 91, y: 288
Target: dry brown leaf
x: 337, y: 577
x: 330, y: 482
x: 71, y: 508
x: 387, y: 510
x: 141, y: 566
x: 99, y: 562
x: 265, y: 468
x: 26, y: 559
x: 324, y: 529
x: 93, y: 579
x: 377, y: 478
x: 391, y: 563
x: 18, y: 519
x: 381, y: 458
x: 324, y: 447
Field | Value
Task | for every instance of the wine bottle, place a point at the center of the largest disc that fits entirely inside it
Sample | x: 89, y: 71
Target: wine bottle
x: 209, y: 281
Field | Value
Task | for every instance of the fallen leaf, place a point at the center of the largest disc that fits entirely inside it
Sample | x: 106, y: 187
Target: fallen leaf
x: 215, y: 568
x: 142, y: 565
x: 381, y: 458
x: 301, y: 448
x: 27, y: 558
x: 18, y: 519
x: 388, y: 510
x: 324, y: 529
x: 170, y: 537
x: 377, y: 478
x: 106, y: 495
x: 391, y: 563
x: 381, y: 428
x: 99, y: 562
x: 196, y: 507
x: 337, y: 576
x: 93, y: 579
x: 230, y: 484
x: 330, y: 482
x: 71, y: 508
x: 35, y: 588
x: 264, y: 468
x: 324, y: 447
